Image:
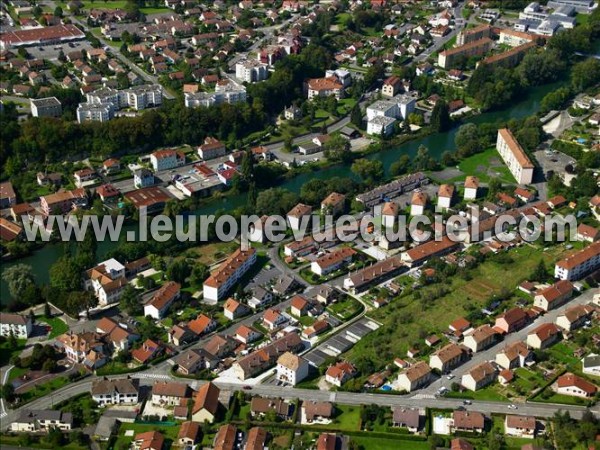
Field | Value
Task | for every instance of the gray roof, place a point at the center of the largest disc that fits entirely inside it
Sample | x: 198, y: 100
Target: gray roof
x: 121, y: 385
x: 591, y: 361
x: 30, y: 416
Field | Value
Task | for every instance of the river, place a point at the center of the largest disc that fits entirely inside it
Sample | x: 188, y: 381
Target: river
x: 42, y: 260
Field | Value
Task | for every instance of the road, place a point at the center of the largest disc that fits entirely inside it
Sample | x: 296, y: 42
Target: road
x: 521, y: 335
x: 460, y: 23
x: 542, y: 410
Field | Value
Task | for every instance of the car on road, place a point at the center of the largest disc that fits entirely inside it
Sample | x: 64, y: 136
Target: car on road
x: 247, y: 388
x: 512, y: 406
x: 450, y: 376
x: 467, y: 402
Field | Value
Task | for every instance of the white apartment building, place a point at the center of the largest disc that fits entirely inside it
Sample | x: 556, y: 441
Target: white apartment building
x: 381, y: 125
x: 42, y: 420
x: 224, y: 93
x: 514, y: 157
x: 166, y: 159
x: 222, y: 280
x: 45, y: 107
x: 291, y: 369
x: 20, y: 326
x: 251, y: 71
x: 580, y: 264
x: 107, y: 280
x: 383, y: 108
x: 88, y: 112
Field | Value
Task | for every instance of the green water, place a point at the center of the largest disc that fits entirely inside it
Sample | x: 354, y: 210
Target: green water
x: 42, y: 260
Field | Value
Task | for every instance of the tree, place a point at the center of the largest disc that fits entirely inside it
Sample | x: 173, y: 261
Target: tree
x: 337, y: 149
x: 467, y: 140
x: 494, y: 186
x: 585, y: 74
x: 440, y: 117
x: 178, y: 271
x: 401, y: 166
x: 356, y: 116
x: 65, y: 274
x: 200, y: 272
x: 58, y: 11
x: 275, y: 201
x: 18, y: 278
x: 8, y: 392
x: 370, y: 171
x: 448, y: 159
x: 130, y: 302
x: 47, y: 311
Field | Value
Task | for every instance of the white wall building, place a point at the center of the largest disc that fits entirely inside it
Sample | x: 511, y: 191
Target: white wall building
x: 291, y: 369
x: 514, y: 157
x: 20, y: 326
x: 251, y: 71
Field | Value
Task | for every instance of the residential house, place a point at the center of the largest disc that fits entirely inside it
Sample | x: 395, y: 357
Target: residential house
x: 272, y: 319
x: 587, y: 233
x: 299, y: 306
x: 107, y: 281
x: 202, y: 325
x: 180, y: 335
x: 333, y: 204
x: 169, y: 393
x: 115, y: 391
x: 257, y: 437
x: 575, y: 317
x: 468, y: 421
x: 189, y: 434
x: 409, y: 418
x: 445, y: 194
x: 554, y: 296
x: 520, y: 426
x: 330, y: 262
x: 511, y: 320
x: 514, y: 355
x: 246, y: 334
x: 575, y: 386
x: 194, y: 360
x: 448, y: 357
x: 166, y: 159
x: 479, y: 377
x: 147, y: 351
x: 481, y: 338
x: 544, y: 336
x: 150, y: 440
x: 30, y: 420
x: 339, y: 373
x: 415, y: 377
x: 226, y: 438
x: 260, y: 406
x: 317, y: 410
x: 206, y: 403
x: 591, y: 365
x: 232, y: 309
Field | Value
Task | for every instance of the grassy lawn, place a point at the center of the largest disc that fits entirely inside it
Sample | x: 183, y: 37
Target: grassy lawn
x: 16, y: 441
x: 58, y: 326
x: 559, y: 398
x: 486, y: 165
x: 487, y: 394
x: 347, y: 417
x: 407, y: 319
x: 372, y: 443
x: 168, y: 430
x: 346, y: 308
x: 43, y: 389
x: 210, y: 254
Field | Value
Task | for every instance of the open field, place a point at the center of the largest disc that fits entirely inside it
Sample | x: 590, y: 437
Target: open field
x: 58, y: 326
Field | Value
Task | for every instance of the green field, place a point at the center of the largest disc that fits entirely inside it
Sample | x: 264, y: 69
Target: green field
x: 486, y: 165
x: 371, y: 443
x: 487, y: 394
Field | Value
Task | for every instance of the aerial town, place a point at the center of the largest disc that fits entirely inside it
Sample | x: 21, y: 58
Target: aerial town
x: 483, y: 110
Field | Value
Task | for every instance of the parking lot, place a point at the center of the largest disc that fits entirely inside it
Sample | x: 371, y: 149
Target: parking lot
x: 552, y: 161
x: 51, y: 52
x: 341, y: 342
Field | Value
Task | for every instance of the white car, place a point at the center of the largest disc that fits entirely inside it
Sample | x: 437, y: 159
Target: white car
x: 450, y: 376
x: 512, y: 407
